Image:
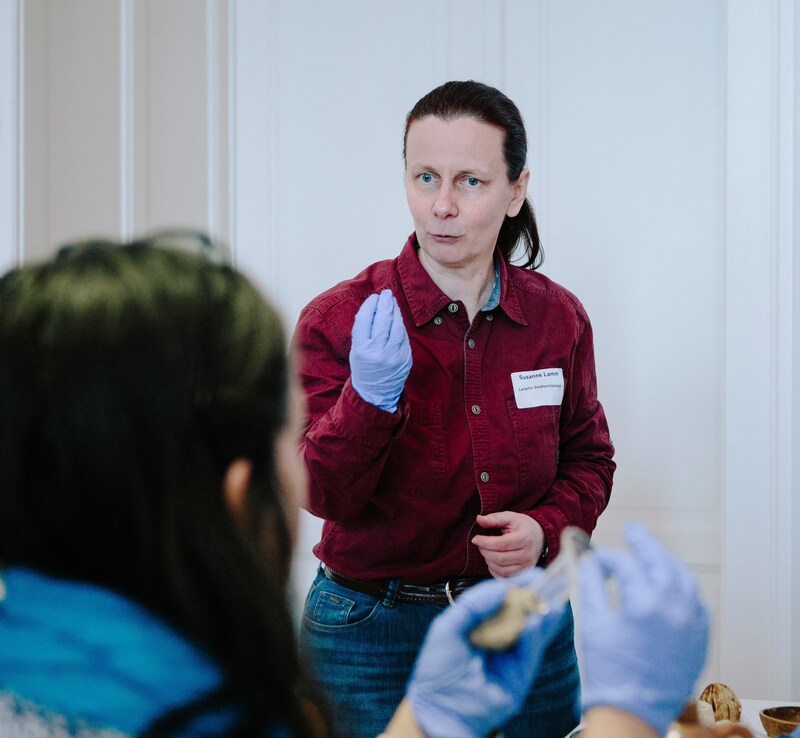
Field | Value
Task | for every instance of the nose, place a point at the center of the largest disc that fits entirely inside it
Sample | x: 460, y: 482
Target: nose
x: 445, y: 204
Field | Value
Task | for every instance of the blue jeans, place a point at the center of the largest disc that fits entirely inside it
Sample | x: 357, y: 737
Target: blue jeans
x: 362, y: 650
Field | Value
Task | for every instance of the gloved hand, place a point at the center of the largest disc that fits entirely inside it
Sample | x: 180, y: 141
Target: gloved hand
x: 644, y: 655
x: 380, y: 354
x: 459, y: 691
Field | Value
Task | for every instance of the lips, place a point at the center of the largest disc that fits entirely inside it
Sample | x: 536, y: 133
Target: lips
x: 444, y: 237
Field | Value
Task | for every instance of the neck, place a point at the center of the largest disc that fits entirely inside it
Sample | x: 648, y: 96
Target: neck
x: 471, y: 285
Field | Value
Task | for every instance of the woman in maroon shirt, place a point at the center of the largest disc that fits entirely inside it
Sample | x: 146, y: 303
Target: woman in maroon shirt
x: 454, y: 428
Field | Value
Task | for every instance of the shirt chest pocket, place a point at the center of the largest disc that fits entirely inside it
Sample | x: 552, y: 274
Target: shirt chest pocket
x: 537, y: 438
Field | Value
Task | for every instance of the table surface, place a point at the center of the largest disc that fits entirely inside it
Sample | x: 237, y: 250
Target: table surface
x: 751, y: 708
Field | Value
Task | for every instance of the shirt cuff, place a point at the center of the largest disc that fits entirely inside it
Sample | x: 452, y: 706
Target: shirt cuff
x: 365, y: 423
x: 552, y: 522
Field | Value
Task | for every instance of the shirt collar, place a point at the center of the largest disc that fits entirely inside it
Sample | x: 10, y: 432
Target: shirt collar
x: 509, y: 300
x: 426, y: 300
x: 494, y: 298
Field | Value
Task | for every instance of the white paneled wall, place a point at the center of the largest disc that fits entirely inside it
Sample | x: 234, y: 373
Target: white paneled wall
x: 125, y: 108
x: 665, y: 158
x: 634, y: 149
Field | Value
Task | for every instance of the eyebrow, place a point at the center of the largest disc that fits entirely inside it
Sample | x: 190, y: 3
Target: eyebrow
x: 479, y: 173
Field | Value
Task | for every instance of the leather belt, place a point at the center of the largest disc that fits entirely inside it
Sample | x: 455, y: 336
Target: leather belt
x: 441, y: 593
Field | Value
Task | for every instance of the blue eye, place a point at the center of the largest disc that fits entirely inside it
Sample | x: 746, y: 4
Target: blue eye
x: 473, y: 181
x: 426, y: 177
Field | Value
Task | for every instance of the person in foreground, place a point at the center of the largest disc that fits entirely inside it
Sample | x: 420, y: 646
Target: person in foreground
x: 149, y: 493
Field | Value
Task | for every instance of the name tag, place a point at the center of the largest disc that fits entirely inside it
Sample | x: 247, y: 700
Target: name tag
x: 538, y: 387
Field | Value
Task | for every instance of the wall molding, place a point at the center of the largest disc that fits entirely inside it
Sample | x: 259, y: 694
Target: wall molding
x: 790, y: 116
x: 758, y: 385
x: 11, y: 133
x: 786, y: 421
x: 253, y: 118
x: 127, y: 101
x: 220, y: 116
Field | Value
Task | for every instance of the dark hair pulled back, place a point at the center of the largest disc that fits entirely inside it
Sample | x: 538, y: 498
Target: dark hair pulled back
x: 131, y: 376
x: 487, y: 104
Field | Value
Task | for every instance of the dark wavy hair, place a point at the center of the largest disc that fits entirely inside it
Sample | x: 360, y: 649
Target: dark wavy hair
x: 471, y: 99
x: 131, y: 376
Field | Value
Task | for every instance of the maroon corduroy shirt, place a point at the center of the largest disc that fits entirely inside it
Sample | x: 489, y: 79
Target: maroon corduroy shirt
x: 399, y: 492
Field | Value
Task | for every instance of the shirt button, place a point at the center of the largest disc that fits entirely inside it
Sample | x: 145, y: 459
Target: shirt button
x: 438, y: 320
x: 489, y: 316
x: 471, y: 343
x: 476, y: 409
x: 484, y: 476
x: 452, y: 307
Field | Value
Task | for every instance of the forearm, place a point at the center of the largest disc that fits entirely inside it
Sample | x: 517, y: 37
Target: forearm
x: 336, y: 445
x: 578, y: 496
x: 345, y: 449
x: 610, y: 722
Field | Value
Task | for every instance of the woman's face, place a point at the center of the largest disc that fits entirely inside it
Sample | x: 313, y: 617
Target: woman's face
x: 458, y: 189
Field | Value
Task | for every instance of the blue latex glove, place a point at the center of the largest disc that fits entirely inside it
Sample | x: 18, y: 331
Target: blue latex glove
x: 380, y: 354
x: 459, y: 691
x: 645, y: 654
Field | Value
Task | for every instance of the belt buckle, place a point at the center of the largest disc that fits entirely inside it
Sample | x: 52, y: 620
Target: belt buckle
x: 450, y: 598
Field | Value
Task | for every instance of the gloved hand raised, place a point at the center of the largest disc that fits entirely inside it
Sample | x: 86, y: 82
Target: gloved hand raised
x: 380, y: 354
x: 459, y: 691
x: 645, y: 655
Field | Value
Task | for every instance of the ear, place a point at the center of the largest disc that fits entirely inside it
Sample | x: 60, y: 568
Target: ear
x: 235, y: 485
x: 520, y: 188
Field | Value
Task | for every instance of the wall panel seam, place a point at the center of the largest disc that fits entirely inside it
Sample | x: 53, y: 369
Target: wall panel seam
x: 213, y: 172
x: 722, y: 256
x: 18, y: 138
x: 795, y: 238
x: 231, y: 100
x: 126, y: 147
x: 785, y: 322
